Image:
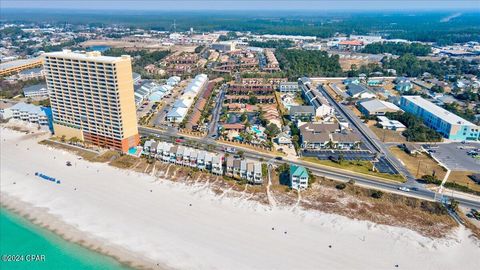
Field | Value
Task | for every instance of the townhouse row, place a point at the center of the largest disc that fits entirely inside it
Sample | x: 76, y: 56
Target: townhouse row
x: 244, y: 169
x: 204, y: 160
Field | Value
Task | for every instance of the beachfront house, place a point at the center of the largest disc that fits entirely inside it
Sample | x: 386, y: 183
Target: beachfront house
x: 236, y: 168
x: 173, y: 154
x: 250, y: 171
x: 193, y: 158
x: 186, y: 156
x: 229, y: 166
x: 179, y: 155
x: 217, y: 164
x: 208, y: 161
x: 153, y: 149
x: 166, y: 148
x: 147, y: 146
x: 298, y: 177
x: 257, y: 170
x: 201, y: 159
x: 243, y: 169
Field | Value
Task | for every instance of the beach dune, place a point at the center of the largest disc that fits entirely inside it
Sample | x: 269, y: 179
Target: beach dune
x: 189, y: 227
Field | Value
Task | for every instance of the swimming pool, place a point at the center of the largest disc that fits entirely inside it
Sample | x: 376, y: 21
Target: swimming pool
x: 256, y: 130
x: 132, y: 151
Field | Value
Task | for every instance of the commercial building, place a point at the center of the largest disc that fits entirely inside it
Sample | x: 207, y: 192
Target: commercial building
x: 224, y: 46
x: 386, y: 123
x: 15, y: 66
x: 359, y: 91
x: 298, y: 177
x: 350, y: 45
x: 377, y: 107
x: 450, y: 125
x: 92, y: 98
x: 37, y: 90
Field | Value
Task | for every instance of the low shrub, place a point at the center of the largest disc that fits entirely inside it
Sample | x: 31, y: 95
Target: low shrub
x: 377, y: 194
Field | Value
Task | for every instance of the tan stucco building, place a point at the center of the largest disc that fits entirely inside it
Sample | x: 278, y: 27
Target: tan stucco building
x: 92, y: 98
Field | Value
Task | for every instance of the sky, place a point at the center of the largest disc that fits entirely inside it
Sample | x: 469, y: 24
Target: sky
x: 333, y: 5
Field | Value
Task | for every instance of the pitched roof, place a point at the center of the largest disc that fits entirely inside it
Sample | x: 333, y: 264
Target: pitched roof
x: 34, y: 88
x: 298, y: 171
x: 302, y: 110
x: 354, y: 89
x: 319, y: 127
x: 351, y: 42
x: 345, y: 137
x: 378, y: 105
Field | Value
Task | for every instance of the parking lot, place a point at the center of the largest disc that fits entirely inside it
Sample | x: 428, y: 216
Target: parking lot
x: 455, y: 157
x: 347, y: 154
x: 382, y: 165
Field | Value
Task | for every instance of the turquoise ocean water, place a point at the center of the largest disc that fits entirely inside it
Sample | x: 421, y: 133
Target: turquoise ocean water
x: 20, y: 237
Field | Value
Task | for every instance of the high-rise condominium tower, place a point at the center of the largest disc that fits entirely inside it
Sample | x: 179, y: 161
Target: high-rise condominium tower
x: 92, y: 98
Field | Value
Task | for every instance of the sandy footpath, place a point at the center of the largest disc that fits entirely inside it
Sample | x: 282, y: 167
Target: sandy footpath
x: 188, y: 227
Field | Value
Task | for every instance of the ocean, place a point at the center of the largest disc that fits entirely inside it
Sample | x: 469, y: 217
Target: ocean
x: 38, y: 248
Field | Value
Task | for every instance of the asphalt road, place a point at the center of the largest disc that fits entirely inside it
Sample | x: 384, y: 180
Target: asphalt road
x: 213, y: 127
x: 373, y: 143
x: 332, y: 173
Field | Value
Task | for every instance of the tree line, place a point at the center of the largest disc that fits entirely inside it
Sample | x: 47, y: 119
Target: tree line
x: 299, y: 63
x: 399, y: 48
x: 416, y: 130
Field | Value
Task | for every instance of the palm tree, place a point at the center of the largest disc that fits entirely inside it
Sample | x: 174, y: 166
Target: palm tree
x: 330, y: 144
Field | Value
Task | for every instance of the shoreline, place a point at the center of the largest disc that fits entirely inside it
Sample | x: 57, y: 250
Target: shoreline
x: 40, y: 217
x: 189, y: 226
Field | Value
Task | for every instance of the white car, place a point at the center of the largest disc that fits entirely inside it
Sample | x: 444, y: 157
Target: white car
x: 404, y: 189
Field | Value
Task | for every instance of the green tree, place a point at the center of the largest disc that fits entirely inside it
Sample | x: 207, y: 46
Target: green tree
x: 272, y: 130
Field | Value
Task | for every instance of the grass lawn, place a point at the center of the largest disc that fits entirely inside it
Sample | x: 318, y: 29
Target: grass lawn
x: 387, y: 135
x: 461, y: 178
x: 354, y: 166
x: 421, y: 163
x: 299, y: 100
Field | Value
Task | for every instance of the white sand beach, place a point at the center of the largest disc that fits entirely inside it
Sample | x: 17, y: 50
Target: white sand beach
x: 117, y: 208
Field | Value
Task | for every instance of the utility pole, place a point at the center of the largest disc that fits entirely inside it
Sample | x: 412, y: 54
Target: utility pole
x: 418, y: 169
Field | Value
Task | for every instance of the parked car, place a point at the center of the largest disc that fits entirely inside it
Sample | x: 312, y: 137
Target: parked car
x: 69, y: 163
x: 231, y: 150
